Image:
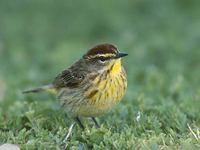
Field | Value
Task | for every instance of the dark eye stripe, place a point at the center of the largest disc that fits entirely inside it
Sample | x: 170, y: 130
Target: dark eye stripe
x: 103, y: 58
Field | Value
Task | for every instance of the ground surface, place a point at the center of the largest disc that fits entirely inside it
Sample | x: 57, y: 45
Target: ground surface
x: 40, y: 38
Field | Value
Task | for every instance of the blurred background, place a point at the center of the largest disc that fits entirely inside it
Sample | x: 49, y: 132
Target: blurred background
x: 39, y: 38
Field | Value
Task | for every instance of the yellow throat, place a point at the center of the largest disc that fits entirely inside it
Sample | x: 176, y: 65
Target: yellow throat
x: 116, y: 68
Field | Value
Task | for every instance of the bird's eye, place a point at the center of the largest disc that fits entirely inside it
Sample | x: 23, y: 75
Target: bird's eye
x: 102, y: 59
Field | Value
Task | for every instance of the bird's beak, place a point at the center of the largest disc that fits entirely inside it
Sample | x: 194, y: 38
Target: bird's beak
x: 121, y: 54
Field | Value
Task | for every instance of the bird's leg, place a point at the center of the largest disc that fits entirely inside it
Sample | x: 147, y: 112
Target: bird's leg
x: 79, y: 123
x: 95, y: 122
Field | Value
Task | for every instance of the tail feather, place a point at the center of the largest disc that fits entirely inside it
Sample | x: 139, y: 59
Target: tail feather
x: 39, y: 89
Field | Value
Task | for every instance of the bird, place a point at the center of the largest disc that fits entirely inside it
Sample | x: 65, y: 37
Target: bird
x: 91, y: 86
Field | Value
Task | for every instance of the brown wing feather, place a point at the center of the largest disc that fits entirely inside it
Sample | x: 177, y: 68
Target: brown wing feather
x: 71, y: 77
x: 68, y: 79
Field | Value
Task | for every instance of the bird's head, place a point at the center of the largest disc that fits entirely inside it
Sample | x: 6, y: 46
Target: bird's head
x: 104, y: 57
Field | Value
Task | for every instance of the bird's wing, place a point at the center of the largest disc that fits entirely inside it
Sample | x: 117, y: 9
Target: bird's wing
x: 68, y: 78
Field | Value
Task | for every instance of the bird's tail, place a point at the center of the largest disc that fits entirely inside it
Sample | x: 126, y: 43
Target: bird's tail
x: 49, y: 88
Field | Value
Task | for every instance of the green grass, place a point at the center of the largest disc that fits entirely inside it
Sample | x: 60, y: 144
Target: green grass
x: 40, y: 38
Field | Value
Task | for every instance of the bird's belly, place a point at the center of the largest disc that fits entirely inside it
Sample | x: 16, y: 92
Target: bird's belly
x: 93, y: 110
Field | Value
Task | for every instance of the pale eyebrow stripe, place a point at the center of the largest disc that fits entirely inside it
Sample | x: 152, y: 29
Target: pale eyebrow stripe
x: 102, y: 55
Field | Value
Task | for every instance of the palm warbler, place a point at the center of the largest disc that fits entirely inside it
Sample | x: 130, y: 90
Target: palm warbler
x: 92, y: 85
